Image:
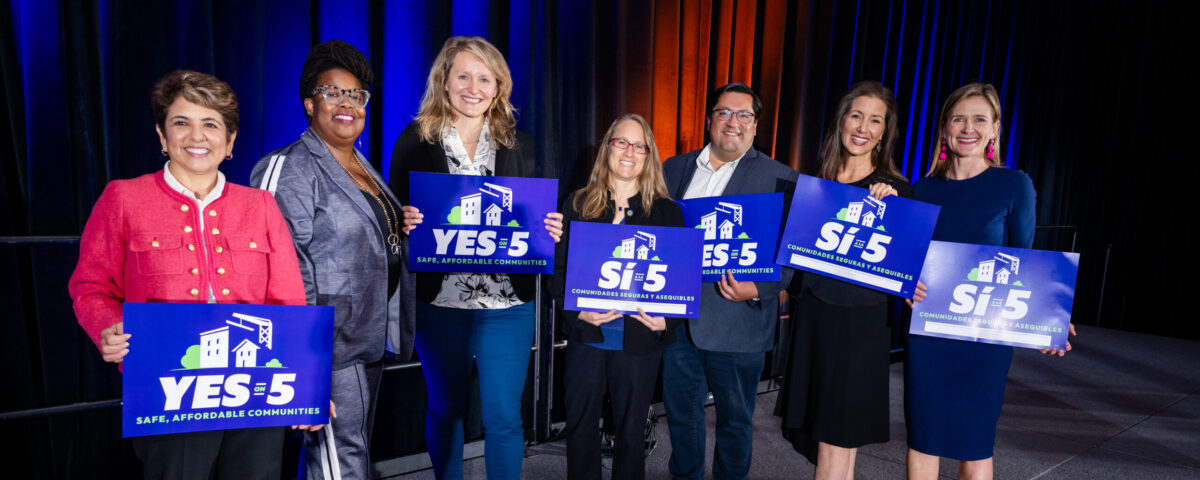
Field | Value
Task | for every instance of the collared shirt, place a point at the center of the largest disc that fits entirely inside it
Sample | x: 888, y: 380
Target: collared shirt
x: 707, y: 182
x: 201, y: 203
x: 474, y: 291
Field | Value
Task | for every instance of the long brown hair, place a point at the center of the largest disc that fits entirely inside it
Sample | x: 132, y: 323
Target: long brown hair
x: 436, y: 114
x: 591, y: 201
x: 833, y: 153
x: 939, y: 167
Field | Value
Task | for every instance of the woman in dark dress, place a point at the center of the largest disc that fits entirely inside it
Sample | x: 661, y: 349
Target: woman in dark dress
x: 835, y: 392
x: 953, y: 390
x: 608, y: 351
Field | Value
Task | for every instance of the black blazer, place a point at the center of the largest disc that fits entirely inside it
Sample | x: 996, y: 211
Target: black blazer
x: 411, y: 154
x: 638, y: 338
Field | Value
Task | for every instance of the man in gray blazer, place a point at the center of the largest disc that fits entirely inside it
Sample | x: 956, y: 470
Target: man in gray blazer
x: 724, y: 349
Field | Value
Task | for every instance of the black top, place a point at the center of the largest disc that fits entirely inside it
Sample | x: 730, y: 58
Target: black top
x: 837, y: 292
x: 393, y: 259
x: 411, y: 154
x: 638, y: 339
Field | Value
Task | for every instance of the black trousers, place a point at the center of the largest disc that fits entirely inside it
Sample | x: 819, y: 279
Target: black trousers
x: 248, y: 453
x: 629, y: 380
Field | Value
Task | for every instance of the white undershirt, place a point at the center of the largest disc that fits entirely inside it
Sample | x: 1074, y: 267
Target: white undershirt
x: 201, y: 204
x: 707, y: 182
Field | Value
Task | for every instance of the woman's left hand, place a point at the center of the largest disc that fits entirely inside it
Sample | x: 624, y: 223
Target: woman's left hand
x: 655, y: 324
x: 1055, y: 351
x: 313, y: 428
x: 880, y: 190
x: 554, y: 225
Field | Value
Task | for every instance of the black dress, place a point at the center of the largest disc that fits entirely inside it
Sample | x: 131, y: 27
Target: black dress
x: 835, y: 388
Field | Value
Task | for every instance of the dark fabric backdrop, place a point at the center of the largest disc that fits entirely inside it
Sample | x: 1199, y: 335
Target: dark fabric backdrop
x: 1094, y: 111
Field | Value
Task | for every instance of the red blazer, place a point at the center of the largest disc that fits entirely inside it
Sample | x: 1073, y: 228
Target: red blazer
x: 142, y: 243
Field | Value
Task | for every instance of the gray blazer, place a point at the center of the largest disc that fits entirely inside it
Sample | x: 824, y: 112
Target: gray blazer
x: 340, y: 246
x: 726, y: 326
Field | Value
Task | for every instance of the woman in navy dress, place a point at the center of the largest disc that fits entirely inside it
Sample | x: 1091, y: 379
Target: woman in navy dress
x: 953, y: 390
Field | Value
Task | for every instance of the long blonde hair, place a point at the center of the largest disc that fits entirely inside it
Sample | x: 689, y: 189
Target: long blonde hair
x: 436, y: 114
x: 591, y: 201
x: 938, y: 167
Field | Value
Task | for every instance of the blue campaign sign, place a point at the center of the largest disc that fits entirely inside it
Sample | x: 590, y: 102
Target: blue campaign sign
x: 843, y: 232
x: 740, y: 234
x: 627, y: 267
x: 1000, y: 295
x: 209, y: 366
x: 481, y: 224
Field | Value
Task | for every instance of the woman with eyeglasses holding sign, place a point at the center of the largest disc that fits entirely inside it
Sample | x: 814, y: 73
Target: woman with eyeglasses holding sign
x: 953, y: 390
x: 466, y: 126
x: 835, y: 393
x: 609, y: 351
x: 185, y: 235
x: 347, y: 230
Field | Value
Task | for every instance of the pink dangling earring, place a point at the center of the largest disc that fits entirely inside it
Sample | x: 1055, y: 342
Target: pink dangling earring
x: 942, y: 155
x: 991, y: 149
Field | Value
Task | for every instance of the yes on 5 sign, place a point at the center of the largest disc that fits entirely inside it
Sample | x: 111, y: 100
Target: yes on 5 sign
x: 200, y: 366
x: 481, y: 224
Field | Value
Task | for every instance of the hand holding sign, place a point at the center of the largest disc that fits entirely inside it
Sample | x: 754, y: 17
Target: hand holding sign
x: 554, y: 225
x: 597, y: 318
x: 412, y: 217
x: 736, y: 291
x: 1067, y: 348
x: 654, y: 323
x: 114, y: 343
x: 313, y: 428
x: 880, y: 190
x: 918, y: 294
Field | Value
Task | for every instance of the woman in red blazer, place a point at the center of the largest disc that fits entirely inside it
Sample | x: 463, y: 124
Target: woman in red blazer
x: 183, y: 234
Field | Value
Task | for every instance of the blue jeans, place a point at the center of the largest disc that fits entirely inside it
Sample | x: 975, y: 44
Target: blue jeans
x: 448, y: 340
x: 688, y: 374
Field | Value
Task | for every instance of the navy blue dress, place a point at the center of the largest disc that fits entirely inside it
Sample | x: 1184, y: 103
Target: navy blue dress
x: 953, y: 390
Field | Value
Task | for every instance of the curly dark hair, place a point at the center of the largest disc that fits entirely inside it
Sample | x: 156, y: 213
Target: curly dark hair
x: 332, y: 55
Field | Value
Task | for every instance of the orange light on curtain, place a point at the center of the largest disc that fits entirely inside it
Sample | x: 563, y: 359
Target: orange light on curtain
x: 699, y: 45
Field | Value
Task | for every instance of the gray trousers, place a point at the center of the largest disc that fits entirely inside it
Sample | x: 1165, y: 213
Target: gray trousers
x: 341, y: 449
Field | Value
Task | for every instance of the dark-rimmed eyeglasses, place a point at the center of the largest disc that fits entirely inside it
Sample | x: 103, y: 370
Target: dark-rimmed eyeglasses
x: 622, y: 144
x: 723, y: 114
x: 335, y: 95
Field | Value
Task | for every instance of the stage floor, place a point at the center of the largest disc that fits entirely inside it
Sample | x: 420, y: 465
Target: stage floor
x: 1119, y: 406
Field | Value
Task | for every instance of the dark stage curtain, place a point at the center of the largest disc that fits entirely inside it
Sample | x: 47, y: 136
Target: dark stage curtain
x: 1095, y: 110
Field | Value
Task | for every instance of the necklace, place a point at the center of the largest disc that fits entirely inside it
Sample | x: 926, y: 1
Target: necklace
x: 393, y: 239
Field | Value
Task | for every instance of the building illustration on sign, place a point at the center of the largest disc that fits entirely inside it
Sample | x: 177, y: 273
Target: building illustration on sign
x: 1001, y: 269
x: 639, y: 246
x: 866, y: 212
x: 720, y: 223
x: 214, y: 344
x: 499, y: 199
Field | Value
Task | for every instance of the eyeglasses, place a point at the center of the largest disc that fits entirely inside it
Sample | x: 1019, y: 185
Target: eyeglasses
x: 723, y: 114
x: 622, y: 144
x: 335, y: 95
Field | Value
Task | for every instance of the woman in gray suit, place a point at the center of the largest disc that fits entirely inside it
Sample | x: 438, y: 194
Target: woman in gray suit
x: 347, y: 231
